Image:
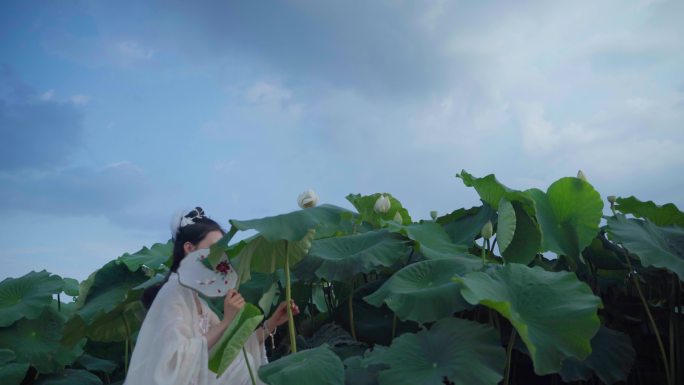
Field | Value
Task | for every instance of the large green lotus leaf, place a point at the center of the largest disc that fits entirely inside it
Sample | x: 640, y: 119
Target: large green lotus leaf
x: 74, y: 331
x: 113, y: 326
x: 70, y: 377
x: 453, y: 350
x: 6, y: 355
x: 341, y: 258
x: 363, y: 370
x: 355, y: 373
x: 337, y: 338
x: 373, y: 324
x: 292, y: 226
x: 153, y: 257
x: 654, y: 245
x: 234, y: 338
x: 261, y: 289
x: 430, y: 238
x: 365, y: 205
x: 307, y: 367
x: 106, y: 289
x: 156, y: 279
x: 111, y: 351
x: 424, y: 291
x: 518, y: 232
x: 489, y: 188
x: 71, y: 287
x: 95, y: 364
x: 266, y: 256
x: 27, y: 295
x: 13, y: 374
x: 318, y: 298
x: 554, y: 313
x: 612, y: 356
x: 569, y: 214
x: 464, y: 226
x: 36, y: 342
x: 116, y: 325
x: 65, y: 309
x: 505, y: 229
x: 603, y: 258
x: 665, y: 215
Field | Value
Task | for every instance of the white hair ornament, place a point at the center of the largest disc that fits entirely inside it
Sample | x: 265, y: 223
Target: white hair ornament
x: 184, y: 218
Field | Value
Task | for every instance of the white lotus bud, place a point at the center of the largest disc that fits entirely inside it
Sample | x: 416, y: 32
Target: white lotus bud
x: 433, y: 215
x: 307, y: 199
x: 487, y: 230
x: 382, y: 205
x: 581, y: 175
x: 397, y: 218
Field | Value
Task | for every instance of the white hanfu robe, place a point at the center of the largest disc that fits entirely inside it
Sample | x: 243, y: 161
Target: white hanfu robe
x: 172, y: 350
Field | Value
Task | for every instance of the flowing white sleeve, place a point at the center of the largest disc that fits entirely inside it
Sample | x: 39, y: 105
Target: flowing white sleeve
x: 256, y: 350
x: 169, y: 350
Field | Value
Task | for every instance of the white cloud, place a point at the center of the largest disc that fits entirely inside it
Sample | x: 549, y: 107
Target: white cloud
x: 274, y: 98
x: 80, y: 99
x: 269, y: 93
x: 133, y: 51
x: 541, y: 136
x: 47, y: 95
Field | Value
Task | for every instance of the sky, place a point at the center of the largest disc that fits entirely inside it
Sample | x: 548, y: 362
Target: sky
x: 114, y: 115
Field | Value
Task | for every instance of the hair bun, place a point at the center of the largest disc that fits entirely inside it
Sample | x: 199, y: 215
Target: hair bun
x: 184, y: 217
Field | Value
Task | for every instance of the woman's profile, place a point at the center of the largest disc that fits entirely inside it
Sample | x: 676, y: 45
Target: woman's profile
x: 180, y: 328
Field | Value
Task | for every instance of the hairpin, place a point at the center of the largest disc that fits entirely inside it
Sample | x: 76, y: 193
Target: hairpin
x: 179, y: 220
x: 189, y: 218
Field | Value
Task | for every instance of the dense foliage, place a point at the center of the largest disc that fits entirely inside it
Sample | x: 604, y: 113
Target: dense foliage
x: 531, y: 287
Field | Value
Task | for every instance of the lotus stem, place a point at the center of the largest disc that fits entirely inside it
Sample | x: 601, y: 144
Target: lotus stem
x: 249, y: 367
x: 288, y: 299
x: 127, y: 344
x: 126, y: 357
x: 394, y: 325
x: 494, y: 319
x: 509, y: 355
x: 351, y: 316
x: 484, y: 262
x: 652, y: 321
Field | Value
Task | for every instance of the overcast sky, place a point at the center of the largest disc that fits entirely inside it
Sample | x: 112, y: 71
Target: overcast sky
x: 113, y: 115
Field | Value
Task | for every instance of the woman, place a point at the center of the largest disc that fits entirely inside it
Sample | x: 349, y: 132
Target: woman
x: 180, y: 329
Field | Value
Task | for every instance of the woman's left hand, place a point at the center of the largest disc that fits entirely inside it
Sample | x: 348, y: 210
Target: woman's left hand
x: 279, y: 316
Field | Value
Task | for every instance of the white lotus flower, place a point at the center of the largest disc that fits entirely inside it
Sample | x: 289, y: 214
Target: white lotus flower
x: 581, y: 175
x: 397, y: 218
x: 382, y: 205
x: 487, y: 230
x: 307, y: 199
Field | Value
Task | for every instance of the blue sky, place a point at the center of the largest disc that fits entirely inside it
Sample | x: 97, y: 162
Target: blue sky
x: 113, y: 115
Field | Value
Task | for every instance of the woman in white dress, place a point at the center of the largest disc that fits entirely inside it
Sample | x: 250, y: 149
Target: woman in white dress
x: 179, y: 329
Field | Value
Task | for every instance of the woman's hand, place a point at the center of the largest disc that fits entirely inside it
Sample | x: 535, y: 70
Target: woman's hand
x: 232, y: 304
x: 279, y: 316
